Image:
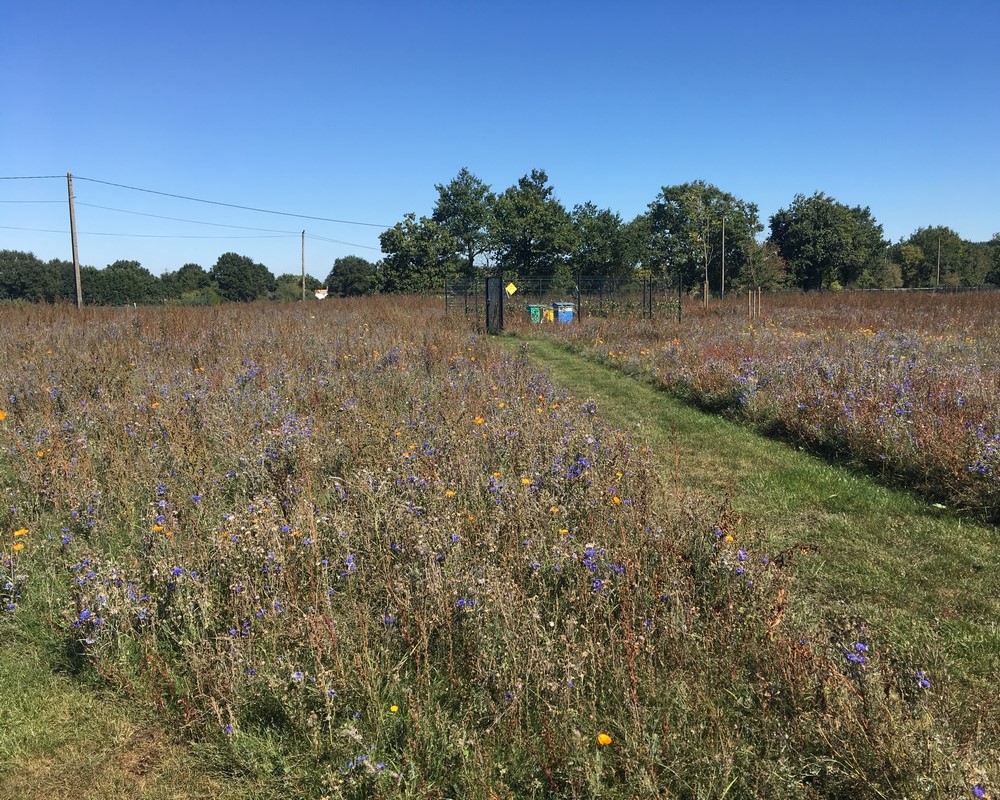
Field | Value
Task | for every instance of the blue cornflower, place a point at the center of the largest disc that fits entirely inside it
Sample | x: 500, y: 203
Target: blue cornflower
x: 298, y: 675
x: 978, y: 791
x: 597, y: 584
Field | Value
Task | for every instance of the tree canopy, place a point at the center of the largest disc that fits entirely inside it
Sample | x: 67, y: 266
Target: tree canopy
x: 694, y: 236
x: 351, y: 276
x: 464, y: 209
x: 602, y: 244
x: 689, y: 224
x: 826, y: 243
x: 419, y: 256
x: 241, y: 279
x: 532, y: 231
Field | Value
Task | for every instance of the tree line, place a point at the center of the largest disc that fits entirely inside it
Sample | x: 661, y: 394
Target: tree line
x: 233, y: 278
x: 693, y: 236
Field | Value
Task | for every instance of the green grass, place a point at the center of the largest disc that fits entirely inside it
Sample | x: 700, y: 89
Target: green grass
x: 860, y: 550
x: 63, y: 738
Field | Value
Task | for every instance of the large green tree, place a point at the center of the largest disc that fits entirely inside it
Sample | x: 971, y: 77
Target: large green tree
x: 419, y: 257
x: 123, y: 283
x: 937, y: 255
x: 464, y: 209
x: 827, y: 243
x: 24, y: 276
x: 687, y: 240
x: 602, y: 247
x: 993, y: 249
x: 351, y: 276
x: 189, y: 278
x: 532, y: 230
x: 241, y: 279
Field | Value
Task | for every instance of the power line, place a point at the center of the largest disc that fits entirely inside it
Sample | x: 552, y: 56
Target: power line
x: 29, y: 177
x: 339, y: 241
x: 144, y: 235
x: 232, y: 205
x: 31, y: 230
x: 281, y: 233
x: 177, y: 219
x: 179, y: 236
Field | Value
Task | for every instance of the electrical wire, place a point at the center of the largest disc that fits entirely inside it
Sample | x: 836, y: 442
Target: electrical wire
x: 338, y: 241
x: 145, y: 235
x: 231, y: 205
x: 177, y: 219
x: 280, y: 233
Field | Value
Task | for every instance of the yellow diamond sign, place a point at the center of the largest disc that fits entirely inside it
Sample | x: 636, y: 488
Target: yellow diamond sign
x: 510, y: 289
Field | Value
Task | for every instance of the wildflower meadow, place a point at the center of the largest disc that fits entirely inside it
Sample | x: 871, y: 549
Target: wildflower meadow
x: 357, y: 549
x: 906, y: 386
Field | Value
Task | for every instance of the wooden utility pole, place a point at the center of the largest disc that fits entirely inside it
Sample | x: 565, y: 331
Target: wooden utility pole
x: 72, y: 233
x: 937, y: 280
x: 303, y: 266
x: 722, y: 292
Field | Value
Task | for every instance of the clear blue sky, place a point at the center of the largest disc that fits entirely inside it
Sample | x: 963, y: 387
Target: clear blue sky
x: 354, y: 111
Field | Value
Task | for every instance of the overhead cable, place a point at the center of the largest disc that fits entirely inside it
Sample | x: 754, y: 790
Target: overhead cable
x: 192, y: 221
x: 232, y: 205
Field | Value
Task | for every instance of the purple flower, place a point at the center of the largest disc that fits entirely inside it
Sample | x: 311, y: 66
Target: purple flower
x: 297, y: 675
x: 978, y: 791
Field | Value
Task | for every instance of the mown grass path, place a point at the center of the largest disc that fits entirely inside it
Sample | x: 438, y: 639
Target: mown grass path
x: 858, y: 550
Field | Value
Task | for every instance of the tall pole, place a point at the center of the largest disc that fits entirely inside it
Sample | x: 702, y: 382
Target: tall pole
x: 937, y: 280
x: 303, y: 266
x: 722, y: 292
x: 72, y: 233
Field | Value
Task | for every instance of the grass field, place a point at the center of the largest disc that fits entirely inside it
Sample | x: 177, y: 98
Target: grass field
x: 355, y: 549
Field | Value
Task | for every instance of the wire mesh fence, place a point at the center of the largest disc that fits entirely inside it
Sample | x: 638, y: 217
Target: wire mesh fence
x: 543, y: 300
